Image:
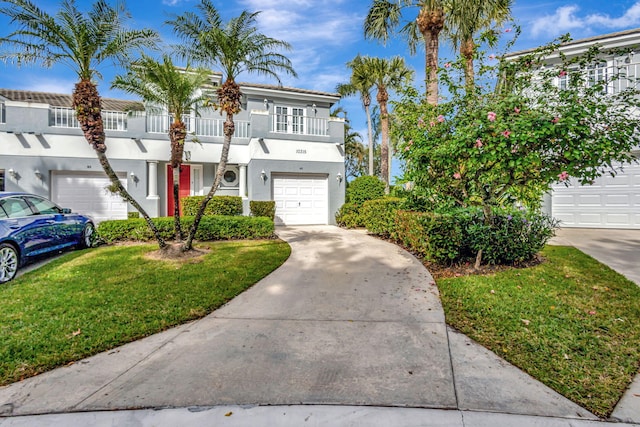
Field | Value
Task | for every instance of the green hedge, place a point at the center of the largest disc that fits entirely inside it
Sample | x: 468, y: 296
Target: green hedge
x: 263, y: 208
x: 349, y: 216
x: 215, y: 227
x: 218, y: 205
x: 379, y: 215
x: 364, y: 188
x: 513, y: 236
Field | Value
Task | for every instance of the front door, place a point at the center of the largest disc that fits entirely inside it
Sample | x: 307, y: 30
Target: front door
x: 185, y: 186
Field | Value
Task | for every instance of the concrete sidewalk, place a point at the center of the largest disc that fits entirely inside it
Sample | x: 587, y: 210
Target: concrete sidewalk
x: 349, y: 321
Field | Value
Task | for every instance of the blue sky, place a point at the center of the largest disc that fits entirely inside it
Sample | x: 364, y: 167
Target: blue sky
x: 325, y: 34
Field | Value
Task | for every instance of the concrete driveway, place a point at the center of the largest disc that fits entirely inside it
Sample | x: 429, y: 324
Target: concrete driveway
x: 619, y: 249
x: 347, y: 320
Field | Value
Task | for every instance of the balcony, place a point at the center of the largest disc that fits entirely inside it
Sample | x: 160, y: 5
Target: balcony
x: 299, y: 125
x: 197, y: 125
x: 62, y: 117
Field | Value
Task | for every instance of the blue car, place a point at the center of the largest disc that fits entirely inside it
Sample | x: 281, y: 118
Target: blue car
x: 32, y: 226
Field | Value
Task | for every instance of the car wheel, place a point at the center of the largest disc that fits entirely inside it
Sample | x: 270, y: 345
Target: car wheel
x: 8, y: 262
x: 87, y: 235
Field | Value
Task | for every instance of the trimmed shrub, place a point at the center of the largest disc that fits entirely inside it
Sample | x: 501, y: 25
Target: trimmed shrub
x: 214, y: 227
x: 218, y: 205
x: 348, y: 216
x: 512, y: 237
x: 379, y: 215
x: 364, y: 188
x: 263, y: 208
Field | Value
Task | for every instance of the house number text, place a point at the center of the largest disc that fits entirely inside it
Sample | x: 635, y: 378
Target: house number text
x: 299, y: 151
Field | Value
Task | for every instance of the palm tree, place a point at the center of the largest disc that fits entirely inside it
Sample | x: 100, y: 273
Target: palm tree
x: 360, y: 83
x: 466, y: 20
x: 354, y: 152
x: 83, y: 42
x: 162, y: 84
x: 387, y: 75
x: 235, y: 48
x: 384, y: 17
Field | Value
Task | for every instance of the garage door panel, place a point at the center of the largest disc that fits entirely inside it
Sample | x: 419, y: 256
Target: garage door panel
x: 612, y: 202
x: 300, y: 199
x: 86, y: 192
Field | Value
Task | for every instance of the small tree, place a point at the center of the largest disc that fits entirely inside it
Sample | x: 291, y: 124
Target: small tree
x: 162, y: 85
x: 495, y: 147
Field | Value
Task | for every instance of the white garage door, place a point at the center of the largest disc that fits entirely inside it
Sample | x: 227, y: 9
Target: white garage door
x: 300, y: 199
x: 611, y: 202
x: 86, y: 193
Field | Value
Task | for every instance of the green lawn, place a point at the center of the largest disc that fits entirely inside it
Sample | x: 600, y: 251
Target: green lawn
x: 89, y: 301
x: 570, y: 322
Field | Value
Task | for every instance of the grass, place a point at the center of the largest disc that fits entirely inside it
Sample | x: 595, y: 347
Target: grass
x: 570, y: 322
x: 90, y: 301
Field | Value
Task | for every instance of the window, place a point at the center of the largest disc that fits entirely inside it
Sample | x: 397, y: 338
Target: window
x: 43, y: 206
x: 3, y: 113
x: 1, y: 179
x: 15, y: 207
x: 597, y: 74
x: 289, y: 120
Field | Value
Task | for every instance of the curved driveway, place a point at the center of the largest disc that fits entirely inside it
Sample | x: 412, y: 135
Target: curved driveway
x: 347, y: 320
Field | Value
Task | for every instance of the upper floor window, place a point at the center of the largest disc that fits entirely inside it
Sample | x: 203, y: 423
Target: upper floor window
x: 289, y: 120
x: 597, y: 74
x: 1, y: 179
x: 64, y: 117
x: 3, y: 113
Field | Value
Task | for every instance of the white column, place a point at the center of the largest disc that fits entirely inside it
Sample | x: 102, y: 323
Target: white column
x: 243, y: 181
x: 152, y: 180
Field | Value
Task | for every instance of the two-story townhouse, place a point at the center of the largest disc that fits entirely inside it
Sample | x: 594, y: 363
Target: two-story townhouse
x: 286, y: 148
x: 610, y: 202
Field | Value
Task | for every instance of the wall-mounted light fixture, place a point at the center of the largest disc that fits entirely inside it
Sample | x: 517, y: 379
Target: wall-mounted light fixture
x: 133, y: 177
x: 12, y: 173
x: 38, y: 174
x: 314, y: 108
x: 263, y: 176
x: 266, y: 103
x: 339, y: 177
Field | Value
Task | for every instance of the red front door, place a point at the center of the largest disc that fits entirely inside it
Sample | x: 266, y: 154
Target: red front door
x: 185, y: 186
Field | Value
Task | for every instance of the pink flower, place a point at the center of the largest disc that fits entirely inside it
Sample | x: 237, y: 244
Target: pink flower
x: 420, y: 122
x: 506, y: 133
x: 457, y: 175
x: 432, y: 123
x: 491, y: 116
x: 508, y: 30
x: 555, y: 120
x: 447, y: 64
x: 441, y: 118
x: 517, y: 110
x: 492, y: 57
x: 563, y: 176
x: 562, y: 73
x: 478, y: 143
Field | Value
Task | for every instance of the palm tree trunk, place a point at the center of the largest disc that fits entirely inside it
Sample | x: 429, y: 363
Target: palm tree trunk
x: 86, y: 102
x: 467, y: 51
x: 177, y: 135
x: 382, y: 99
x: 370, y: 135
x: 430, y: 22
x: 229, y: 129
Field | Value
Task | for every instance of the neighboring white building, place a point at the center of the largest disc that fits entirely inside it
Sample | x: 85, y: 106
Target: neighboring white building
x: 610, y: 202
x: 286, y: 148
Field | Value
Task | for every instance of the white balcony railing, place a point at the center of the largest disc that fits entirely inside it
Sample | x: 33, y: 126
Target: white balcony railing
x: 197, y: 125
x: 62, y: 117
x: 299, y: 125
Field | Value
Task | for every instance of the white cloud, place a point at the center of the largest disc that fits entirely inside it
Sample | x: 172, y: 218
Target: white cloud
x: 46, y: 83
x: 566, y: 18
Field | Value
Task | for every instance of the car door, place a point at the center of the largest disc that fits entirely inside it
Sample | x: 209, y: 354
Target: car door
x: 26, y: 228
x: 58, y: 227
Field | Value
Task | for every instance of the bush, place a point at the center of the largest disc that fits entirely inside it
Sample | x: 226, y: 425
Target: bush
x: 133, y: 214
x: 218, y: 205
x: 436, y: 237
x: 263, y: 208
x: 364, y: 188
x: 349, y: 216
x: 514, y: 235
x: 215, y: 227
x: 379, y: 215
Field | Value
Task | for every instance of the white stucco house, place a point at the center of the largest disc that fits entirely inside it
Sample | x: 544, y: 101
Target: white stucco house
x: 610, y: 202
x: 286, y: 148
